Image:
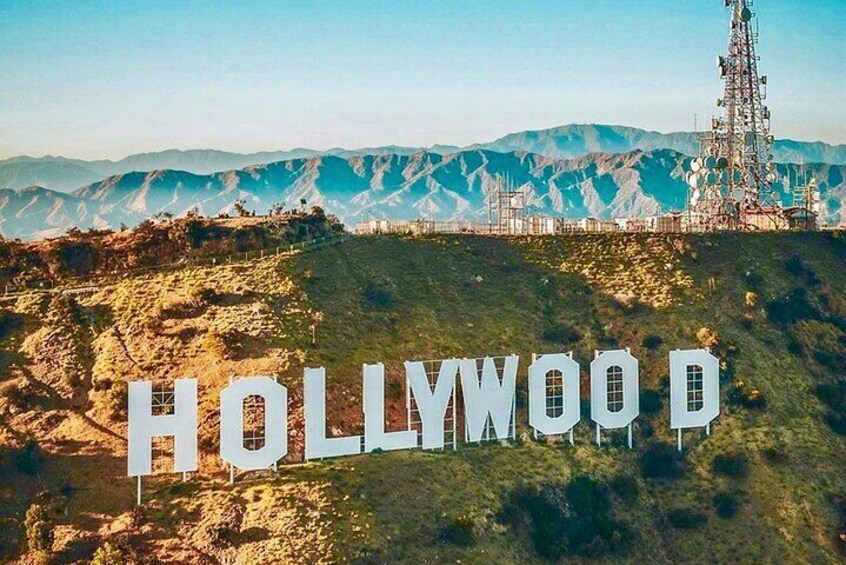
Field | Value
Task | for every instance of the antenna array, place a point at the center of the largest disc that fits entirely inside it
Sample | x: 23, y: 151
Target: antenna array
x: 732, y: 179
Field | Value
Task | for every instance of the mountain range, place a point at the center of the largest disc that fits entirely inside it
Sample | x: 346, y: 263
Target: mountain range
x: 391, y: 185
x: 565, y: 142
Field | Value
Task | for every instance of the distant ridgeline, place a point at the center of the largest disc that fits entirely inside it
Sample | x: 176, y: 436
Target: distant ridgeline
x: 487, y: 411
x: 570, y: 172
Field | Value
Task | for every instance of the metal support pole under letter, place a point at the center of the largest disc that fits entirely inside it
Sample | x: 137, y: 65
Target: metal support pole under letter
x: 138, y: 494
x: 630, y: 435
x: 680, y: 440
x: 598, y: 436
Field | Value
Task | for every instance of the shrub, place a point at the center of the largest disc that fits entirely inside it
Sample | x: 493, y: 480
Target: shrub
x: 459, y: 531
x: 9, y: 323
x: 74, y: 258
x: 751, y: 300
x: 686, y: 519
x: 731, y: 465
x: 726, y: 504
x: 708, y: 338
x: 108, y: 554
x: 572, y: 519
x: 840, y: 504
x: 754, y: 281
x: 832, y: 395
x: 29, y: 459
x: 562, y: 334
x: 625, y: 487
x: 775, y: 455
x: 115, y: 398
x: 837, y: 422
x: 379, y: 294
x: 740, y: 394
x: 661, y: 461
x: 651, y: 401
x: 794, y: 265
x: 652, y: 342
x: 792, y: 308
x: 39, y: 534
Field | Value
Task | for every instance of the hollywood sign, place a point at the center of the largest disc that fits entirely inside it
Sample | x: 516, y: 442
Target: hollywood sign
x: 488, y: 399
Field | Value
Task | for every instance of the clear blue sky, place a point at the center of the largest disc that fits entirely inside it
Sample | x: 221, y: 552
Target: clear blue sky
x: 102, y: 79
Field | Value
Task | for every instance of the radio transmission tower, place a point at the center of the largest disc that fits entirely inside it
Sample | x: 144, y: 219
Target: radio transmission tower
x: 732, y: 179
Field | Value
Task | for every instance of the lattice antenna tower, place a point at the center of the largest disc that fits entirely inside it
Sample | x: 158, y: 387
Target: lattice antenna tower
x: 733, y: 176
x: 510, y: 207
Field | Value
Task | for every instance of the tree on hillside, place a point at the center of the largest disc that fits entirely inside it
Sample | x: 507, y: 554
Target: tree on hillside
x: 39, y: 533
x: 241, y: 208
x: 108, y: 554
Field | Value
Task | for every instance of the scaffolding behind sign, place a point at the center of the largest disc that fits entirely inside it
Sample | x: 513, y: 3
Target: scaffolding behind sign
x: 450, y: 418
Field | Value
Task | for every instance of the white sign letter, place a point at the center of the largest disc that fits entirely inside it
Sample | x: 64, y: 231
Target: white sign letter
x: 550, y: 376
x: 144, y: 426
x: 488, y: 397
x: 614, y: 394
x: 275, y: 447
x: 694, y: 388
x: 375, y: 436
x: 317, y: 445
x: 432, y: 404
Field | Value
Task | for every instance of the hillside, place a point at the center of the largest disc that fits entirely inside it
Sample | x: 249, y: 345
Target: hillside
x: 443, y: 187
x: 563, y: 142
x: 767, y: 486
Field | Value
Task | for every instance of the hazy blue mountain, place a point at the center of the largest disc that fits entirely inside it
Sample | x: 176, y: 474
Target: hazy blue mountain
x: 570, y: 141
x: 565, y: 142
x: 54, y: 172
x: 391, y: 186
x: 66, y: 175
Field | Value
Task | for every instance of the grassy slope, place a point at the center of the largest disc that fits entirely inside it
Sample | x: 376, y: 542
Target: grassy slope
x: 454, y: 296
x: 441, y: 311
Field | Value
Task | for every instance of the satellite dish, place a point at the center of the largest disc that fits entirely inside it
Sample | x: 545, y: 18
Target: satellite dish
x: 771, y: 177
x: 710, y: 162
x: 750, y: 138
x: 738, y: 176
x: 693, y: 180
x: 695, y: 165
x: 711, y: 178
x: 722, y: 163
x: 738, y: 194
x: 746, y: 14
